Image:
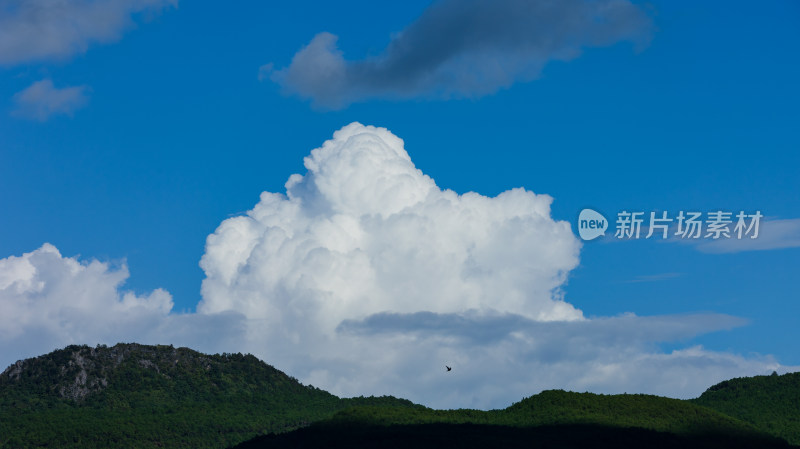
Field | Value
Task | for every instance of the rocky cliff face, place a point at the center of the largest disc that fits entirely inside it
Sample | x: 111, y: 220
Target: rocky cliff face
x: 77, y: 372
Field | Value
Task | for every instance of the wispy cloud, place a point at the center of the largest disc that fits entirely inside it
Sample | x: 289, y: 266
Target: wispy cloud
x: 482, y: 328
x: 462, y: 48
x: 42, y: 100
x: 36, y: 30
x: 773, y: 234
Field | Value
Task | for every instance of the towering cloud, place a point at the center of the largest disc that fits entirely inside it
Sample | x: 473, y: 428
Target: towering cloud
x: 365, y: 232
x: 462, y: 48
x: 365, y: 277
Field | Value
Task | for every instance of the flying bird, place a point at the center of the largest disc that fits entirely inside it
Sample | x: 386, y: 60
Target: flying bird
x: 448, y: 368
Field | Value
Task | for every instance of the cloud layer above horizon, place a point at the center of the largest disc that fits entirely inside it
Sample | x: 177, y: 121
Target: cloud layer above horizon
x: 365, y: 277
x: 462, y: 49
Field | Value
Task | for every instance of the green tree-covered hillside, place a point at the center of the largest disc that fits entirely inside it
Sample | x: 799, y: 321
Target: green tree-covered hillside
x: 771, y: 403
x: 132, y: 395
x: 138, y: 396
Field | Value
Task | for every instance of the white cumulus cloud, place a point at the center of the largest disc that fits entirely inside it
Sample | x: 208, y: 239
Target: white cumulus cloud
x: 365, y: 277
x: 49, y: 301
x: 364, y: 231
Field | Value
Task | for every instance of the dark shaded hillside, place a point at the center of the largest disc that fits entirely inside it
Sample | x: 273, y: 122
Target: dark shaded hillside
x: 134, y: 395
x: 468, y: 436
x: 771, y: 403
x: 550, y: 419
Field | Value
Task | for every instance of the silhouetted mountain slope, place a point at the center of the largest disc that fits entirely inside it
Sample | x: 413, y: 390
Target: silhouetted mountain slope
x: 133, y: 395
x: 468, y: 436
x: 771, y: 403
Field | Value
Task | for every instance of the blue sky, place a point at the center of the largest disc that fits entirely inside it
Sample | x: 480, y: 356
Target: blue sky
x: 174, y: 132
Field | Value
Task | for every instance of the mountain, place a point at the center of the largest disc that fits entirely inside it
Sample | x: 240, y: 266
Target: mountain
x: 132, y: 395
x: 138, y: 396
x: 550, y: 419
x: 771, y: 402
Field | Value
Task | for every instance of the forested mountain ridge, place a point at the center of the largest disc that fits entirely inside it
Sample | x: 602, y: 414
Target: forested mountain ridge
x: 98, y: 375
x: 132, y: 395
x: 140, y: 396
x: 771, y: 403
